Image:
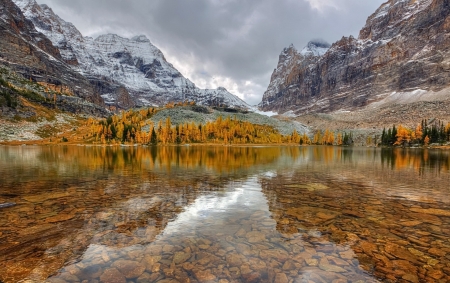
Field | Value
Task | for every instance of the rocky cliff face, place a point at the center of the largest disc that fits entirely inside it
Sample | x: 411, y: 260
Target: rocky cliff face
x: 404, y: 46
x: 135, y: 63
x: 32, y: 54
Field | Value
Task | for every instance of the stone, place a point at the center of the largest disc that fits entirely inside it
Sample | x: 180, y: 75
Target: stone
x: 349, y: 254
x: 337, y: 261
x: 156, y: 267
x: 332, y: 268
x: 181, y: 257
x: 354, y: 213
x: 149, y: 261
x: 416, y: 252
x: 432, y: 211
x: 313, y: 215
x: 129, y: 269
x: 168, y: 249
x: 255, y: 237
x: 368, y: 247
x: 144, y: 278
x: 405, y: 266
x: 410, y: 223
x: 234, y: 260
x: 411, y: 278
x: 112, y: 275
x: 257, y: 264
x: 245, y: 269
x: 155, y: 250
x: 437, y: 252
x: 69, y: 277
x: 240, y: 233
x: 281, y: 278
x: 427, y: 218
x: 327, y: 249
x: 401, y: 253
x: 289, y: 265
x: 252, y: 277
x: 312, y: 262
x: 204, y: 276
x: 90, y: 272
x: 435, y: 274
x: 276, y: 254
x: 59, y: 218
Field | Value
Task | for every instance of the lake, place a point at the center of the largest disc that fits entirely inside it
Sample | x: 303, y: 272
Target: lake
x: 224, y: 214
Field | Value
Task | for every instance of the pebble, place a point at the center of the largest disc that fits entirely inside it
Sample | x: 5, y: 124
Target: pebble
x: 129, y: 269
x: 112, y: 275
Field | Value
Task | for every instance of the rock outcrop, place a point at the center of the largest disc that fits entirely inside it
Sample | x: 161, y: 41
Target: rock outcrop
x: 113, y: 63
x: 31, y: 54
x: 405, y: 46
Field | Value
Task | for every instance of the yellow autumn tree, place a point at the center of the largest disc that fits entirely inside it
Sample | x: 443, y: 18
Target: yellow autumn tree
x: 403, y: 136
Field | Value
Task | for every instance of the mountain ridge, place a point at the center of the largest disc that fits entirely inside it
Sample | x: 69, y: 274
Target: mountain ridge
x: 31, y: 54
x: 404, y: 46
x: 135, y: 64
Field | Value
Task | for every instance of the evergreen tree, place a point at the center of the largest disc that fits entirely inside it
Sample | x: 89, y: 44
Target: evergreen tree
x: 388, y: 137
x: 393, y: 135
x: 153, y: 137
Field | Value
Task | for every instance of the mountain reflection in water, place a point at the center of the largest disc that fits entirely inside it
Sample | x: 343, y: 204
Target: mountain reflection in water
x: 210, y: 214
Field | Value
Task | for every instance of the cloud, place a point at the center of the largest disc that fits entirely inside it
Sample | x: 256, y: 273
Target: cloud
x: 232, y: 43
x: 320, y: 5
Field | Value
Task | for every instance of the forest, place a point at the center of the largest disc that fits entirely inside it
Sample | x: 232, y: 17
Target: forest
x: 425, y: 133
x: 135, y: 126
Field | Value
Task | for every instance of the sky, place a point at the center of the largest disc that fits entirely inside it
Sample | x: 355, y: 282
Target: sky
x: 230, y: 43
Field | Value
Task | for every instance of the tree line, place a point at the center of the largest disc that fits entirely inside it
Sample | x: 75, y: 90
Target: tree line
x: 425, y: 133
x: 135, y: 126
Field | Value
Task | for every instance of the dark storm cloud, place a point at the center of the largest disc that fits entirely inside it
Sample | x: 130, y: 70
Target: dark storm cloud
x: 234, y: 43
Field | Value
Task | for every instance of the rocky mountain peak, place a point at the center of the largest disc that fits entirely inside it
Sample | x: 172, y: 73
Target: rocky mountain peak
x: 404, y: 47
x: 289, y: 49
x: 288, y: 53
x: 315, y: 47
x: 389, y: 18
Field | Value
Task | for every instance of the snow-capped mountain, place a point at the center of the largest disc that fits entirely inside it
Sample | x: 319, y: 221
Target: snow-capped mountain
x: 134, y: 63
x: 404, y: 47
x: 31, y: 54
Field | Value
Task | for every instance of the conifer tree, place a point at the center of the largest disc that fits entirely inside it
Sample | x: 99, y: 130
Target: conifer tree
x: 153, y: 137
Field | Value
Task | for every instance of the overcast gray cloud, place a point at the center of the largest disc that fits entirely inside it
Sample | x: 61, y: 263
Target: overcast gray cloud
x: 230, y: 43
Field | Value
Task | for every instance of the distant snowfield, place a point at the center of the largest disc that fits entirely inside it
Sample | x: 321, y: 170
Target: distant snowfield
x: 413, y: 96
x: 268, y: 113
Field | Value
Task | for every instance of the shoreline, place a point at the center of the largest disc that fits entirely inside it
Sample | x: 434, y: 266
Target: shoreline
x: 59, y: 143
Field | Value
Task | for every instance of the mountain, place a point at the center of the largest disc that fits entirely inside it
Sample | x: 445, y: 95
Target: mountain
x: 134, y: 66
x: 403, y: 48
x: 31, y: 54
x: 290, y: 63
